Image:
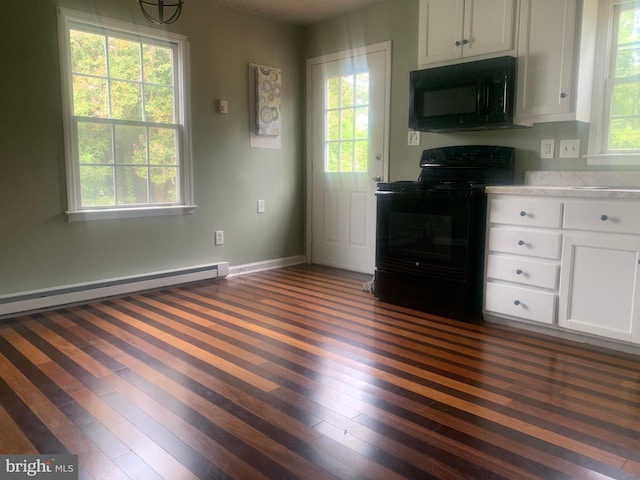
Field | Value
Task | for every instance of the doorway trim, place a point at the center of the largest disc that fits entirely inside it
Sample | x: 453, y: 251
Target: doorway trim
x: 331, y: 57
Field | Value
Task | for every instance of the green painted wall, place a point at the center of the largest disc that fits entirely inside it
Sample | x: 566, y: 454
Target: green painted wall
x: 40, y: 249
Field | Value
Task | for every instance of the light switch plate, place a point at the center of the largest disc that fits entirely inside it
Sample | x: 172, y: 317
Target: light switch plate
x: 414, y: 138
x: 547, y: 148
x: 569, y: 149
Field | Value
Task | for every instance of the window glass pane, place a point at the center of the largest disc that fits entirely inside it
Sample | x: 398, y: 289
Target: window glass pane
x: 158, y: 64
x: 626, y: 99
x: 333, y: 157
x: 333, y: 125
x: 124, y: 59
x: 362, y: 156
x: 95, y: 143
x: 131, y: 144
x: 158, y: 104
x: 163, y: 184
x: 333, y: 92
x: 131, y: 185
x: 162, y: 146
x: 629, y: 26
x: 88, y: 53
x: 362, y: 89
x: 126, y: 100
x: 346, y: 90
x: 346, y: 124
x: 346, y: 157
x: 90, y: 97
x: 628, y: 62
x: 96, y: 186
x: 362, y: 122
x: 625, y: 134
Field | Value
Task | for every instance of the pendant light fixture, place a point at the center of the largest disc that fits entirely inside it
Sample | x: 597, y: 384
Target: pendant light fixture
x: 161, y: 12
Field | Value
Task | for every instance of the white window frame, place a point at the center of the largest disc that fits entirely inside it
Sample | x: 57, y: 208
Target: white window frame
x: 67, y: 19
x: 598, y: 152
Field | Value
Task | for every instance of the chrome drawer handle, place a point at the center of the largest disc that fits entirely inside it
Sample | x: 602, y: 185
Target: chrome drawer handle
x: 519, y: 272
x: 520, y: 242
x: 523, y: 213
x: 516, y: 302
x: 604, y: 218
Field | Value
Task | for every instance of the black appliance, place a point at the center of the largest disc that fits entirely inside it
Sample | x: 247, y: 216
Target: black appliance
x: 476, y: 95
x: 430, y: 233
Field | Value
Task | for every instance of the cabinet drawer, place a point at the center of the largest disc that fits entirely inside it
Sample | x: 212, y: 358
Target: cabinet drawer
x: 525, y: 242
x: 526, y: 211
x: 603, y: 216
x: 526, y: 272
x: 524, y: 303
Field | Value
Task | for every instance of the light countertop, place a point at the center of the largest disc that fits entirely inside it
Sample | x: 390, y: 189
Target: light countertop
x: 578, y: 184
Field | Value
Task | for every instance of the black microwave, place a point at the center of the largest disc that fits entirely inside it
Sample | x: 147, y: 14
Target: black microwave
x: 477, y: 95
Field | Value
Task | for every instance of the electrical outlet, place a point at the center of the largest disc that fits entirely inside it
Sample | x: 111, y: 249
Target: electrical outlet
x: 219, y: 237
x: 414, y: 138
x: 569, y: 148
x: 260, y: 206
x: 547, y: 148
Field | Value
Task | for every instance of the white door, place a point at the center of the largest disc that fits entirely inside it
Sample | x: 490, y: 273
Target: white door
x: 348, y: 147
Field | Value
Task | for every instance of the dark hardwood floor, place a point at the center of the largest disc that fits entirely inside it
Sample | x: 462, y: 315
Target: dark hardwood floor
x: 298, y: 373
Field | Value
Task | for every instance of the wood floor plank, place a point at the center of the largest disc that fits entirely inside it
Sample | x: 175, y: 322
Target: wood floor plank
x: 299, y: 373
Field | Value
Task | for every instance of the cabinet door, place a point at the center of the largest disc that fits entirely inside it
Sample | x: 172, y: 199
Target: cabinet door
x: 599, y: 286
x: 488, y: 27
x: 545, y: 59
x: 440, y: 28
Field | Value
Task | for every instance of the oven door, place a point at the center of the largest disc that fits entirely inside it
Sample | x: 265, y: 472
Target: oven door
x: 425, y: 233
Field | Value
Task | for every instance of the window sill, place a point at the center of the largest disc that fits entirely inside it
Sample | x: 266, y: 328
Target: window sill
x: 120, y: 213
x: 613, y: 159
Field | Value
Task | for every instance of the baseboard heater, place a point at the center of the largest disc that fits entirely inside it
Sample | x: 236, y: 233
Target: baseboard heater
x: 80, y: 293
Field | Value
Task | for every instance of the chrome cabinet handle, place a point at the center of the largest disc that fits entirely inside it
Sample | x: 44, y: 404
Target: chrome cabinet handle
x: 564, y: 95
x: 519, y: 272
x: 523, y: 213
x: 521, y: 242
x: 604, y: 218
x: 517, y: 302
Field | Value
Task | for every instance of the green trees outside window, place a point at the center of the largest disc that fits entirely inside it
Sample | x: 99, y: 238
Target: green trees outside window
x: 347, y: 123
x: 624, y: 128
x: 124, y: 112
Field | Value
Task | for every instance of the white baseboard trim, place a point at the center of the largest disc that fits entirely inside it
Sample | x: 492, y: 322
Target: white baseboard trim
x: 36, y: 300
x: 266, y: 265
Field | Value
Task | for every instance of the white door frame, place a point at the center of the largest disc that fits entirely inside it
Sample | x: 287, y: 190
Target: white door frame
x: 345, y: 54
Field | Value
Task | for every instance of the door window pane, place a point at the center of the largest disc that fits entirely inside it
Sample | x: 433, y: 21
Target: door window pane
x: 347, y: 120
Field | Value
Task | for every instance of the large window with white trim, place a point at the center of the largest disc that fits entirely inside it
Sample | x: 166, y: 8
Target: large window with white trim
x: 616, y: 117
x: 126, y: 116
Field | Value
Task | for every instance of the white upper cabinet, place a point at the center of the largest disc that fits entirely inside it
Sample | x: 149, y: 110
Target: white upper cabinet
x: 555, y: 60
x: 451, y: 30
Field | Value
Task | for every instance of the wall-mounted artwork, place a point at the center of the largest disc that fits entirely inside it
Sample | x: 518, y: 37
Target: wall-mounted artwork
x: 268, y: 97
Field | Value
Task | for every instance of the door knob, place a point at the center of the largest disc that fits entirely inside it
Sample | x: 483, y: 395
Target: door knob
x: 377, y: 178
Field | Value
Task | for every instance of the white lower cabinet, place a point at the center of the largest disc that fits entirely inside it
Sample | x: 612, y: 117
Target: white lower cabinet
x: 581, y: 273
x: 599, y: 286
x: 522, y: 262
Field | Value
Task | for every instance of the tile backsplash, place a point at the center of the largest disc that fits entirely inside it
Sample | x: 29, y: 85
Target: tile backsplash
x: 579, y: 178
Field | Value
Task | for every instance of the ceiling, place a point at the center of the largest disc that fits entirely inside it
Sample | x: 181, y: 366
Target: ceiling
x: 297, y: 12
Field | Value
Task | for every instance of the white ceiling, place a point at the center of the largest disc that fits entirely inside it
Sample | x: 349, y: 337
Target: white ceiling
x: 297, y: 12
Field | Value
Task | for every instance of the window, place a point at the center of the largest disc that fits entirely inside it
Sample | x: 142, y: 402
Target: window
x: 615, y: 124
x: 347, y: 123
x: 126, y: 128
